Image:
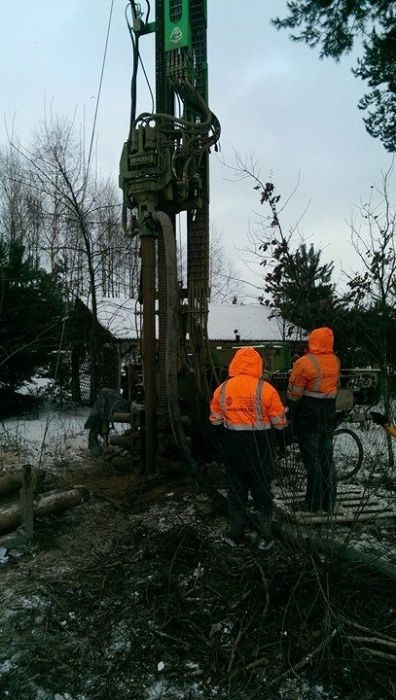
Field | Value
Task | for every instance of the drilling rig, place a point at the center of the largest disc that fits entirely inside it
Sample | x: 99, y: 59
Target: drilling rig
x: 164, y: 171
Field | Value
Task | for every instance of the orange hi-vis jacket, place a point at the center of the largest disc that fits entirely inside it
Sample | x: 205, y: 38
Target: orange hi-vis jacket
x: 317, y: 373
x: 245, y: 401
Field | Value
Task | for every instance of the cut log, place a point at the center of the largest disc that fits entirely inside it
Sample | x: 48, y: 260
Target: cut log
x: 125, y: 441
x: 11, y: 480
x: 122, y: 417
x: 55, y: 502
x: 128, y: 416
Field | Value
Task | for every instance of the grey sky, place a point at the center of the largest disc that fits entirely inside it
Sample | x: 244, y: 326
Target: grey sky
x: 274, y: 99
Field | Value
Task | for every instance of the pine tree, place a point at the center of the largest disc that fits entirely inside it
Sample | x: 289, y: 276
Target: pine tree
x: 302, y: 290
x: 334, y: 26
x: 31, y: 310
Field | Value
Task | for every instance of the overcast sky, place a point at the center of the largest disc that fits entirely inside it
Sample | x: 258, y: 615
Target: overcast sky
x: 274, y: 98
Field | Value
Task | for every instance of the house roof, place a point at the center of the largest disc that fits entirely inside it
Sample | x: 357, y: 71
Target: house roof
x: 123, y: 318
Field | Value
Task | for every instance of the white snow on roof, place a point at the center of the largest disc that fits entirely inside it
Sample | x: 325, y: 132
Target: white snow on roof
x: 123, y: 318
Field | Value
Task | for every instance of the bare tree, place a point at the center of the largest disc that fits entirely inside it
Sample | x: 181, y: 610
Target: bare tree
x: 117, y: 249
x: 373, y: 289
x: 294, y: 284
x: 82, y: 223
x: 224, y: 278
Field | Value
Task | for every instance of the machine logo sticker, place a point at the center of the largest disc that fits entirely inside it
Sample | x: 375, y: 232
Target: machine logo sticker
x: 176, y: 35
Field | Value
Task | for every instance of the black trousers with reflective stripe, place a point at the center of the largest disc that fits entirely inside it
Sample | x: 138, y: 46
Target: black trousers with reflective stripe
x: 249, y: 457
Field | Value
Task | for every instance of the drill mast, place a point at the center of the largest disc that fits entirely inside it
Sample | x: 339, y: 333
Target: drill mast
x: 164, y: 171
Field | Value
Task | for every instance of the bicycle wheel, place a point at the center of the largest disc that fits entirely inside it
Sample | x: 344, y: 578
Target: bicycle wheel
x: 348, y: 453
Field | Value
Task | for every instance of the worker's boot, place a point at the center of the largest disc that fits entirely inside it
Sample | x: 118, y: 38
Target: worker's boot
x: 266, y: 540
x: 236, y: 534
x: 234, y: 540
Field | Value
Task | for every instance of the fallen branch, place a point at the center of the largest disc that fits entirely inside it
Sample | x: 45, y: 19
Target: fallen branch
x: 362, y: 628
x: 304, y: 661
x: 378, y: 654
x: 256, y: 664
x: 334, y: 551
x: 372, y: 640
x: 240, y: 634
x: 265, y: 584
x: 244, y: 629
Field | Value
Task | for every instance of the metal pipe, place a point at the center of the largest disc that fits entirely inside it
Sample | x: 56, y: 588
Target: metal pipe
x: 172, y: 304
x: 149, y: 347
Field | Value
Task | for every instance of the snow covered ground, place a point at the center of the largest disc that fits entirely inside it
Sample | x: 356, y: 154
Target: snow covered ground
x: 51, y: 435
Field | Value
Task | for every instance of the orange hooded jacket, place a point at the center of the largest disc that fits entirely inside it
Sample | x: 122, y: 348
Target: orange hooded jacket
x: 317, y: 373
x: 245, y: 401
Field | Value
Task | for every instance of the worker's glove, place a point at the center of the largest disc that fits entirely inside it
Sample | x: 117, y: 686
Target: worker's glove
x: 379, y: 418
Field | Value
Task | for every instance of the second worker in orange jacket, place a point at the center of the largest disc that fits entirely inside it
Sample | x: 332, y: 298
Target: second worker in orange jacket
x: 311, y: 395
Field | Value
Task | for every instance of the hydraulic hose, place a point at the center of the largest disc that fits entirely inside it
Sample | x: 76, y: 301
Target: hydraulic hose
x: 172, y: 306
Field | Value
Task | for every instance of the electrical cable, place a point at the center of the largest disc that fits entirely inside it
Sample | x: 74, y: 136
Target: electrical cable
x: 135, y: 59
x: 148, y: 11
x: 99, y: 92
x: 148, y: 83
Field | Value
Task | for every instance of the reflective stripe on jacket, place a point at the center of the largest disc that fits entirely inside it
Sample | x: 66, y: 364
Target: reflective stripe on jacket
x: 245, y: 401
x: 316, y: 374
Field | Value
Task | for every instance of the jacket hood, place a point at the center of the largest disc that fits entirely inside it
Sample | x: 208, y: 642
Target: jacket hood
x: 321, y: 340
x: 246, y: 361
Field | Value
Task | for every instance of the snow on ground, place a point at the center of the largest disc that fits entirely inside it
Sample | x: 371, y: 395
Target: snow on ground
x: 50, y: 436
x: 36, y: 386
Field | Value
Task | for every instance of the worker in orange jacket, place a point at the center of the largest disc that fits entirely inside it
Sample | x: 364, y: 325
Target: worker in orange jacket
x: 311, y: 396
x: 248, y: 408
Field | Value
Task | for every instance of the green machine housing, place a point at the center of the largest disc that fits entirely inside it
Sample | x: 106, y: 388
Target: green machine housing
x: 177, y: 24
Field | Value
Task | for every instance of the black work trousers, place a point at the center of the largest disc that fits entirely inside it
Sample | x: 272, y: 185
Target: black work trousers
x: 249, y: 460
x: 317, y: 454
